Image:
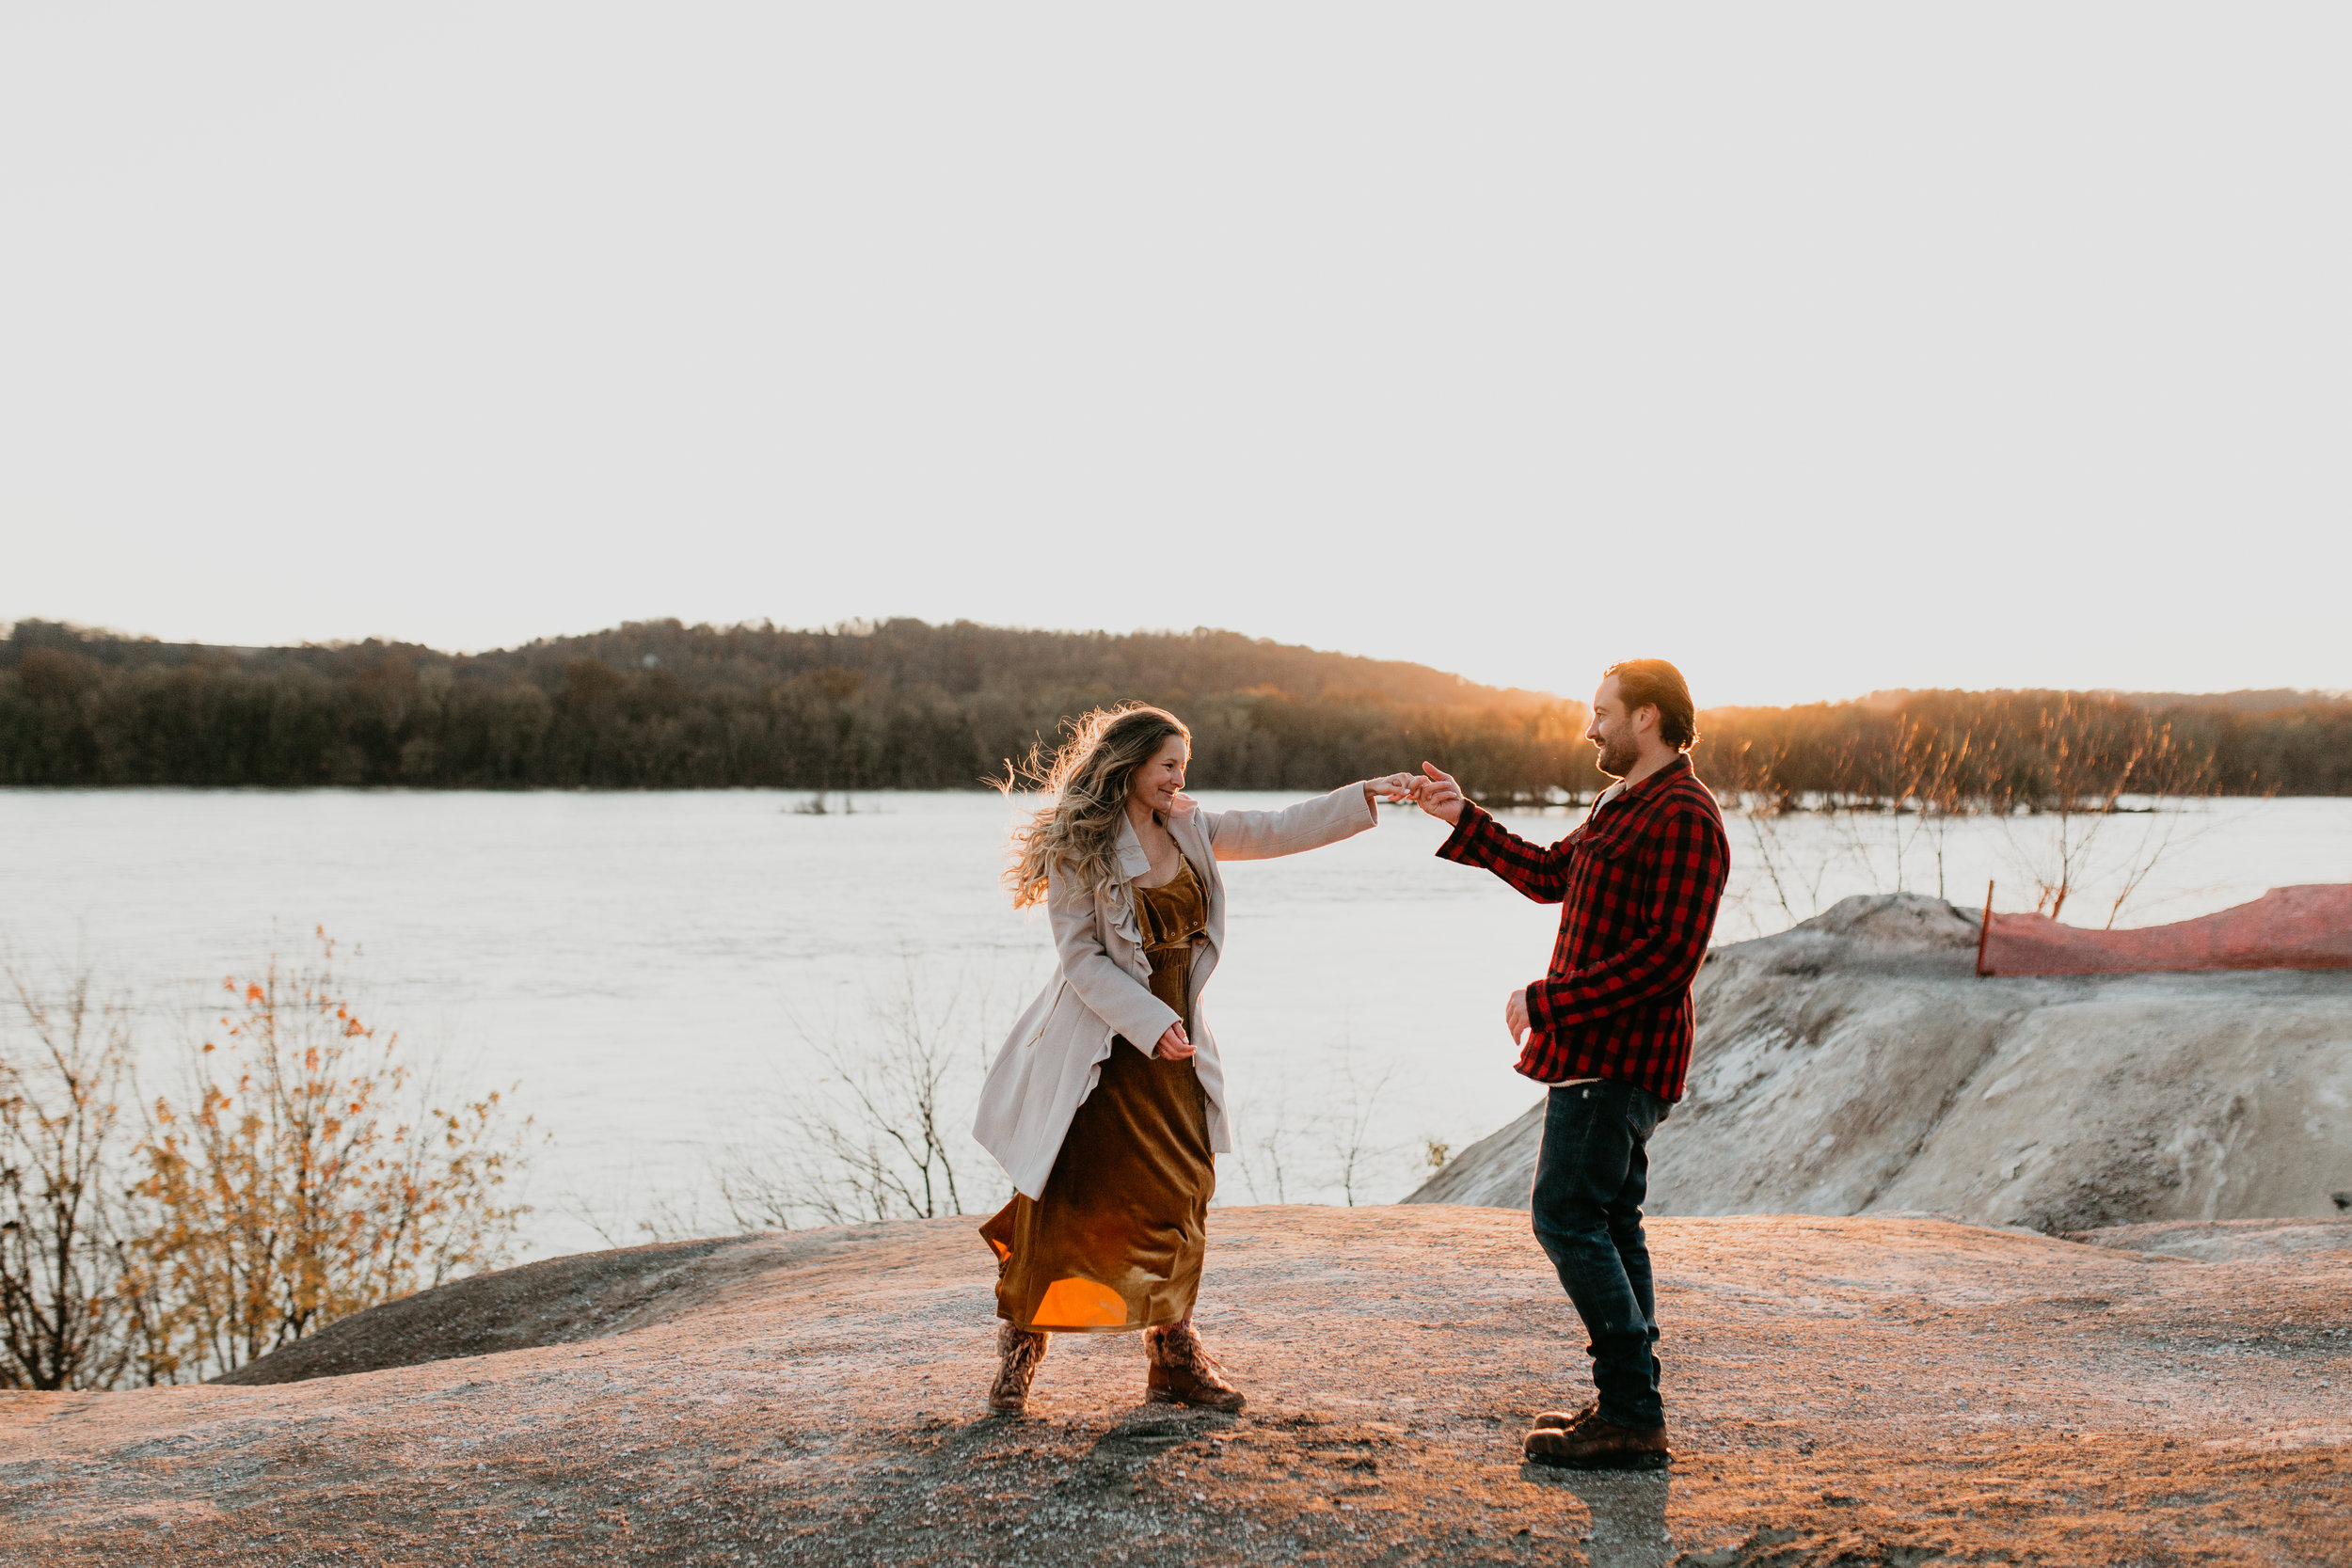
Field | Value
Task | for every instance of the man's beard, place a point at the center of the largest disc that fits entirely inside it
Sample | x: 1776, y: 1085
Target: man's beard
x: 1618, y: 758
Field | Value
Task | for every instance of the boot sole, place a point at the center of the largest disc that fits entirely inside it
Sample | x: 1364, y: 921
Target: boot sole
x: 1605, y: 1462
x: 1155, y: 1397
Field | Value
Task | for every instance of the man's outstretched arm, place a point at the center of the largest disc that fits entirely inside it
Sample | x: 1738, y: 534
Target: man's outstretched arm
x: 1539, y: 871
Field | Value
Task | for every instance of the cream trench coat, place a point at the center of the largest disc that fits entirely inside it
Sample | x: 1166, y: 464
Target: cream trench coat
x: 1101, y: 990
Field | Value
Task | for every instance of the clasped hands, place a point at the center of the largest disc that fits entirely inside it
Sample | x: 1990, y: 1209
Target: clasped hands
x: 1432, y: 791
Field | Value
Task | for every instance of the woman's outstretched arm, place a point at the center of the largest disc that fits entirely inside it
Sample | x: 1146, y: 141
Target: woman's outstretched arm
x: 1256, y: 836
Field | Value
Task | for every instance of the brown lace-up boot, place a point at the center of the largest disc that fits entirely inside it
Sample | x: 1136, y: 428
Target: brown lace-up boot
x: 1018, y: 1352
x: 1598, y: 1445
x: 1184, y: 1373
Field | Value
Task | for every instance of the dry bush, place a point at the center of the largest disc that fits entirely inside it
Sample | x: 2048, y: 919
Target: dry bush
x: 64, y: 1082
x: 2071, y: 776
x: 1284, y: 1157
x: 306, y: 1173
x: 881, y: 1130
x: 1751, y: 775
x: 1272, y: 1154
x: 2061, y: 774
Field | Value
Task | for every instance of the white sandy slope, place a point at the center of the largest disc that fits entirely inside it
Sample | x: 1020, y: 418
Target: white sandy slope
x: 1856, y: 1065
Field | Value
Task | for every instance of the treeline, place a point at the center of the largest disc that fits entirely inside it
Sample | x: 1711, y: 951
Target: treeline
x: 1996, y: 750
x: 902, y: 704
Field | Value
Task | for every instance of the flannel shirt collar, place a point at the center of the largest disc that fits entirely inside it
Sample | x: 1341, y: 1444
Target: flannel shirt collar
x: 1622, y: 791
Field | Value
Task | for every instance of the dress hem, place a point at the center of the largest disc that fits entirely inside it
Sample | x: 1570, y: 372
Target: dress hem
x: 1123, y: 1328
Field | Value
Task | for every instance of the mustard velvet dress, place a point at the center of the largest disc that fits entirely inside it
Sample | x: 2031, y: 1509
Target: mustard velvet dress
x: 1115, y: 1243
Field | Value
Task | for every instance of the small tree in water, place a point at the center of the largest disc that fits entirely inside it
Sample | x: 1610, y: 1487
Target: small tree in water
x: 308, y: 1174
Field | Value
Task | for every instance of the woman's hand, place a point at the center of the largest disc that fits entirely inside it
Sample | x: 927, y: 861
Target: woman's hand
x: 1392, y: 789
x: 1175, y: 1045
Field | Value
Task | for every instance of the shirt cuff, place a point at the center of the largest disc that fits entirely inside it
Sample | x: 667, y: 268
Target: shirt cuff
x: 1456, y: 844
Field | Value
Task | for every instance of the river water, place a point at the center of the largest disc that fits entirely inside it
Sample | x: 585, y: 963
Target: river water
x: 659, y: 971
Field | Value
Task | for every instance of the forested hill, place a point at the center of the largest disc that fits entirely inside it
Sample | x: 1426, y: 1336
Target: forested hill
x: 659, y: 705
x: 908, y: 705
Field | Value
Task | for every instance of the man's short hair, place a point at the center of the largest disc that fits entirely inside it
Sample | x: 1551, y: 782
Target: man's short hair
x: 1655, y: 683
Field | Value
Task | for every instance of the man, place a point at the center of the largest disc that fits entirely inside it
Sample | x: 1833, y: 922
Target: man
x: 1609, y: 1028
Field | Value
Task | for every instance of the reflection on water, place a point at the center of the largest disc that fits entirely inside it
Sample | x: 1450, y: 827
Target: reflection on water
x: 1627, y: 1508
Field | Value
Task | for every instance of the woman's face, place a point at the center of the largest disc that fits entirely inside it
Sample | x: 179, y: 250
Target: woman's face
x: 1156, y: 782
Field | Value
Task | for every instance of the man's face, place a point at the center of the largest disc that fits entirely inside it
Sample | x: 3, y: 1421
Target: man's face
x: 1612, y: 731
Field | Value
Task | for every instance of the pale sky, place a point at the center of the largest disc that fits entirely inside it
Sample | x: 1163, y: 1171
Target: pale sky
x: 1819, y: 348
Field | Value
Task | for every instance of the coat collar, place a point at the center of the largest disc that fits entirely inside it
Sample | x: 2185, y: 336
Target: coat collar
x: 1134, y: 861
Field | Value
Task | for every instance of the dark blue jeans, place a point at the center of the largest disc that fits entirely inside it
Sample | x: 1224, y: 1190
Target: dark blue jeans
x: 1590, y: 1181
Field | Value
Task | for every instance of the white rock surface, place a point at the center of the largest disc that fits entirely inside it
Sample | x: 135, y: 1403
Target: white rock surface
x: 1857, y: 1065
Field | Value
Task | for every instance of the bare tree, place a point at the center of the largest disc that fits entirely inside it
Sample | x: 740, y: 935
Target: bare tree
x: 1287, y: 1159
x: 2084, y: 763
x: 1268, y: 1158
x: 1766, y: 804
x: 64, y: 1078
x: 880, y: 1132
x: 2179, y: 784
x: 1938, y: 779
x: 1348, y: 1127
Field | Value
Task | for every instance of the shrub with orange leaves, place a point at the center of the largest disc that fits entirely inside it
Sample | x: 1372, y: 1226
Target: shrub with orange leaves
x: 307, y: 1173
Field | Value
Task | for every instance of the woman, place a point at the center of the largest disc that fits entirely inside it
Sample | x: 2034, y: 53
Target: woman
x: 1106, y: 1105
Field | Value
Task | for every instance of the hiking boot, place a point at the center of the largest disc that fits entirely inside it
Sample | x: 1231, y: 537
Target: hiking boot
x: 1598, y: 1445
x: 1184, y: 1373
x: 1566, y: 1420
x: 1018, y: 1352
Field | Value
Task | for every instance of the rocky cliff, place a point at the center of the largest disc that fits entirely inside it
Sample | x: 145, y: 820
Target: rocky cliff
x: 1856, y: 1065
x: 1847, y: 1392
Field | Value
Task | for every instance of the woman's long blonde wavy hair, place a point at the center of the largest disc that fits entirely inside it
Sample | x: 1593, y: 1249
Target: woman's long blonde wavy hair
x: 1087, y: 778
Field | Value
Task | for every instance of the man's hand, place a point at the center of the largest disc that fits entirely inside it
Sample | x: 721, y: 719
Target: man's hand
x: 1437, y: 794
x: 1175, y: 1045
x: 1514, y: 1015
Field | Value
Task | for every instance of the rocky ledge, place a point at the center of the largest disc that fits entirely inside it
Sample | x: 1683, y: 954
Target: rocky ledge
x: 1850, y: 1391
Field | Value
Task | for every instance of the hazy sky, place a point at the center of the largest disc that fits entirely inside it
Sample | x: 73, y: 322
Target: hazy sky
x: 1817, y: 347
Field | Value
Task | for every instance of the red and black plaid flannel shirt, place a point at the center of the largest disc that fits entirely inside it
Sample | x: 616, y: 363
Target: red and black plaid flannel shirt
x: 1639, y: 882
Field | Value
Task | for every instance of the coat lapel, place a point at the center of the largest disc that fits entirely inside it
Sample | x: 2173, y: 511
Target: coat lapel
x: 1133, y: 861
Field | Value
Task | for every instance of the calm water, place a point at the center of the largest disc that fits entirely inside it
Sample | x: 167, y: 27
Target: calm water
x: 653, y: 968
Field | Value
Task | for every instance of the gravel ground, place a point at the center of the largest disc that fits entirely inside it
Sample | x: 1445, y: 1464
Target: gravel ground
x: 1867, y: 1390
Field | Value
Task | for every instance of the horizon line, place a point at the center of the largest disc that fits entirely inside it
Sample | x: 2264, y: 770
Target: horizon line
x: 866, y: 626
